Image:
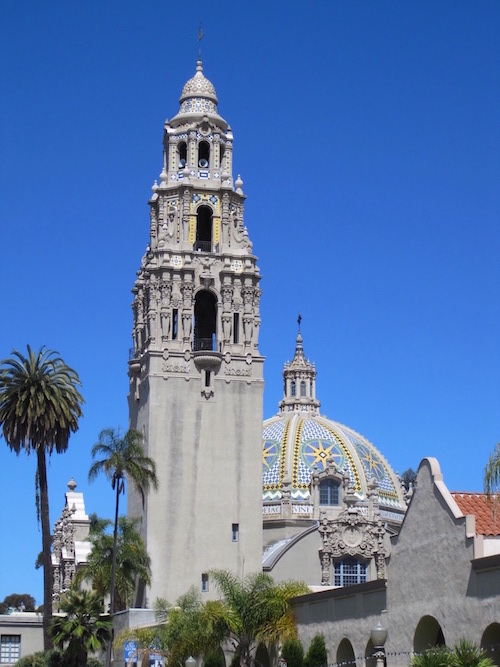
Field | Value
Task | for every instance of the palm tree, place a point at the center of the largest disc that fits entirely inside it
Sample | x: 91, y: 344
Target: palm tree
x: 39, y: 408
x: 82, y: 627
x: 252, y: 610
x: 122, y: 458
x: 468, y: 654
x: 256, y: 610
x: 132, y: 560
x: 492, y: 472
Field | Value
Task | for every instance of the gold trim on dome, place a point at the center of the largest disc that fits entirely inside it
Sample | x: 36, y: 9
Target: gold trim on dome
x: 296, y: 457
x: 352, y: 464
x: 284, y: 448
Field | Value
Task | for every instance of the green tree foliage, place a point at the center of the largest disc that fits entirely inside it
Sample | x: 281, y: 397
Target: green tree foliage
x: 252, y: 610
x: 468, y: 654
x: 492, y: 472
x: 293, y: 652
x: 40, y: 405
x: 19, y: 601
x: 82, y: 627
x: 187, y: 628
x: 256, y: 609
x: 317, y: 655
x: 464, y: 654
x: 121, y: 458
x: 436, y: 656
x: 214, y: 659
x: 132, y: 560
x: 52, y: 658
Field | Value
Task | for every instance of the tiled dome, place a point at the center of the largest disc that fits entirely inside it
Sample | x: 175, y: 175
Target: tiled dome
x: 198, y: 94
x: 294, y: 445
x: 299, y: 440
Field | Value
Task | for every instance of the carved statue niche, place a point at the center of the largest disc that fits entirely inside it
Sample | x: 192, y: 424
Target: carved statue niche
x: 227, y: 326
x: 248, y: 329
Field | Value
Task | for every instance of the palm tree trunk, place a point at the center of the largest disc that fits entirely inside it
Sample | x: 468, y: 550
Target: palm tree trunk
x: 113, y: 572
x: 46, y: 548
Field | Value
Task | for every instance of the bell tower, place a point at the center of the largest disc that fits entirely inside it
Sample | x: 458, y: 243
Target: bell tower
x: 196, y: 374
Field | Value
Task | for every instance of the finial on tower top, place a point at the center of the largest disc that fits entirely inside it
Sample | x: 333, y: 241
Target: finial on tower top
x: 299, y: 320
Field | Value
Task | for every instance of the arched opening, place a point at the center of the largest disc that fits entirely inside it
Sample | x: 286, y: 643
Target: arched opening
x: 203, y: 154
x: 345, y: 654
x: 262, y: 657
x: 293, y: 388
x: 490, y: 642
x: 205, y: 320
x: 349, y: 571
x: 370, y: 660
x: 329, y: 493
x: 427, y: 635
x: 203, y: 241
x: 182, y: 154
x: 302, y: 388
x: 222, y: 152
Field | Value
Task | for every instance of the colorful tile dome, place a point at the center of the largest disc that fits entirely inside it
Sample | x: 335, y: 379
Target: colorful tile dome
x: 198, y: 95
x: 298, y: 441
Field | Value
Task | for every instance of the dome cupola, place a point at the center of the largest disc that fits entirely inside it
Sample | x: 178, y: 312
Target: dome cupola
x: 299, y: 375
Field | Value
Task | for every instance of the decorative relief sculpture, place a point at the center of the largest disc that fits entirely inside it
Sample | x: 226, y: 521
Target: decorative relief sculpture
x: 356, y: 532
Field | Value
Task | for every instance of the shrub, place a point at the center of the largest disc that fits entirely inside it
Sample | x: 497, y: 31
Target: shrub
x: 317, y: 655
x: 293, y: 653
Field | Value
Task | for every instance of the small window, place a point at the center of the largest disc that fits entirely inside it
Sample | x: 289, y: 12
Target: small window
x: 235, y: 530
x: 293, y: 389
x: 328, y: 492
x: 348, y: 572
x: 204, y: 582
x: 207, y: 378
x: 175, y: 323
x: 303, y: 388
x: 10, y: 648
x: 236, y: 328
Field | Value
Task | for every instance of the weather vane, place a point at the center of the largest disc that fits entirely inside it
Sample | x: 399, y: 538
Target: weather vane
x: 200, y: 37
x: 299, y: 320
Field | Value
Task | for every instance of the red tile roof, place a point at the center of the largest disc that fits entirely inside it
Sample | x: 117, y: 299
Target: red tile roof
x: 486, y: 511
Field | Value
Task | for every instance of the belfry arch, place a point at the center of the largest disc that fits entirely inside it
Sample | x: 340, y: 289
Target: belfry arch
x: 203, y: 241
x: 205, y: 321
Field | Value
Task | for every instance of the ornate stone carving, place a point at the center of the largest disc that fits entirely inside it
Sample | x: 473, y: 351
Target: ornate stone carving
x: 352, y: 533
x: 244, y: 372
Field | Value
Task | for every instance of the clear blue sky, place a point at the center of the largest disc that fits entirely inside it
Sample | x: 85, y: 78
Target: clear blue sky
x: 367, y: 136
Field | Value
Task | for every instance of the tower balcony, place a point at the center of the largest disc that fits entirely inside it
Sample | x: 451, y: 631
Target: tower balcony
x: 203, y: 246
x: 205, y: 354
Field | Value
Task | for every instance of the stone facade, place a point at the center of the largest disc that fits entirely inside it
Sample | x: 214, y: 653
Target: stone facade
x: 438, y: 588
x: 196, y: 374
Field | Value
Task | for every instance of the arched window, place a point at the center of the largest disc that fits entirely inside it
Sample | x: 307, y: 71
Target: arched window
x: 203, y: 241
x: 203, y: 154
x: 182, y: 155
x: 303, y: 388
x: 329, y: 492
x: 205, y: 317
x: 293, y: 389
x: 348, y: 572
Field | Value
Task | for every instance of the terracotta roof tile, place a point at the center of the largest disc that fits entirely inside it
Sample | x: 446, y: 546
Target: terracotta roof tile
x: 486, y: 511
